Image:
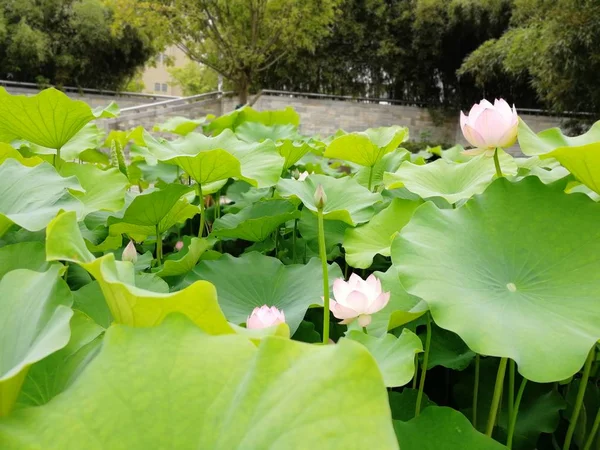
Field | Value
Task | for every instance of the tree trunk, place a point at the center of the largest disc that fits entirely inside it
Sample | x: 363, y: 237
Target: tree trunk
x: 242, y: 90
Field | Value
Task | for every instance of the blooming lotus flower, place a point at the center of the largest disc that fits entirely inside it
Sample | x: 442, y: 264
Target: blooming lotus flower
x: 129, y: 254
x: 264, y: 317
x: 490, y: 126
x: 179, y: 245
x: 303, y: 176
x: 357, y: 298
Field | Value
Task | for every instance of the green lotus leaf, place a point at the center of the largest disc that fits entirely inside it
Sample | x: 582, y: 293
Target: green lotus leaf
x: 368, y: 147
x: 454, y: 154
x: 403, y: 404
x: 448, y: 180
x: 49, y: 119
x: 228, y: 395
x: 544, y: 142
x: 90, y: 137
x: 256, y: 222
x: 347, y: 200
x: 258, y: 132
x: 23, y: 255
x: 474, y: 265
x: 53, y: 374
x: 375, y: 237
x: 150, y: 282
x: 8, y: 152
x: 154, y: 209
x: 31, y: 196
x: 236, y: 118
x: 308, y: 227
x: 395, y: 356
x: 210, y: 159
x: 104, y: 189
x: 447, y: 350
x: 441, y: 427
x: 35, y: 309
x: 292, y: 151
x: 184, y: 261
x: 127, y: 303
x: 90, y: 300
x: 255, y: 280
x: 389, y: 163
x: 182, y: 125
x: 582, y: 161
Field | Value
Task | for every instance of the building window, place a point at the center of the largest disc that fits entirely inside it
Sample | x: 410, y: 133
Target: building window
x: 157, y: 87
x: 164, y: 87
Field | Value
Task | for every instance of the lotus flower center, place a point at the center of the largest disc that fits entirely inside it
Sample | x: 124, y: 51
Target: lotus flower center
x: 511, y: 287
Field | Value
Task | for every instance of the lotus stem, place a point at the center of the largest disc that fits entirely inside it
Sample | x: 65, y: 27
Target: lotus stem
x: 158, y: 246
x: 370, y: 177
x: 497, y: 396
x: 513, y: 417
x: 57, y: 159
x: 424, y: 367
x: 323, y: 254
x: 579, y: 399
x: 593, y: 432
x: 202, y: 210
x: 294, y: 241
x: 497, y: 164
x: 511, y: 387
x: 476, y: 390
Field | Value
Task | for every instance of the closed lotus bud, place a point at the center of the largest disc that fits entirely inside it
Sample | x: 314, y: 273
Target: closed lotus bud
x: 357, y: 299
x: 130, y: 254
x: 265, y: 317
x: 488, y: 126
x: 179, y: 245
x: 320, y: 197
x: 303, y: 176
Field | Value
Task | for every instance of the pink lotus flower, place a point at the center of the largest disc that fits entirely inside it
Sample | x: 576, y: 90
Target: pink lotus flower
x: 264, y: 317
x: 130, y: 254
x: 179, y: 245
x: 357, y: 298
x: 303, y: 176
x: 490, y: 126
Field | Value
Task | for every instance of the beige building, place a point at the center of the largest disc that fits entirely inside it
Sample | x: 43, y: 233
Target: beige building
x: 156, y: 78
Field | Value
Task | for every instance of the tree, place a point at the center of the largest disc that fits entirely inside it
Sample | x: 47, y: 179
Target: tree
x: 194, y: 78
x: 551, y: 45
x: 67, y: 42
x: 237, y: 38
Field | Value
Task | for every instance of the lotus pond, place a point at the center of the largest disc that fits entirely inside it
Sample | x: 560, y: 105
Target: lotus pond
x: 228, y: 283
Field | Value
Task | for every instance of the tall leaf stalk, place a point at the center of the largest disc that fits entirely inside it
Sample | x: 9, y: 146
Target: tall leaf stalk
x: 579, y: 399
x: 497, y: 397
x: 323, y: 255
x: 424, y: 367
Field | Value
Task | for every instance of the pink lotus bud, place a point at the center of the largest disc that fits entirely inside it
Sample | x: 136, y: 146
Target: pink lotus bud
x: 357, y: 298
x: 303, y: 176
x: 179, y: 245
x: 264, y: 317
x: 320, y: 197
x: 490, y: 126
x: 130, y: 254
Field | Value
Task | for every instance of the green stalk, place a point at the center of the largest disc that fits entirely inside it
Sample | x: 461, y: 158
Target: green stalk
x: 476, y: 390
x: 158, y: 247
x: 416, y: 377
x: 579, y: 400
x: 57, y: 159
x: 202, y: 212
x: 218, y: 204
x: 497, y: 396
x: 370, y: 177
x: 515, y: 413
x: 294, y: 241
x: 511, y: 387
x: 323, y: 255
x: 424, y: 368
x: 497, y: 164
x: 594, y: 431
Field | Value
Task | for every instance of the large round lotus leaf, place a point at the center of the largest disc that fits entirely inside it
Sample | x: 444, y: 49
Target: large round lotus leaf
x: 23, y: 255
x: 258, y: 132
x: 514, y: 272
x: 552, y: 138
x: 308, y: 226
x: 375, y: 237
x: 236, y: 118
x: 255, y: 280
x: 389, y: 163
x: 292, y: 151
x: 181, y: 125
x: 395, y: 356
x: 173, y: 386
x: 256, y: 222
x: 449, y: 180
x: 368, y: 147
x: 184, y: 260
x: 49, y: 119
x: 104, y: 189
x: 347, y: 200
x: 34, y: 323
x: 8, y: 152
x: 582, y: 161
x: 32, y: 196
x: 442, y: 428
x: 209, y: 159
x: 128, y: 303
